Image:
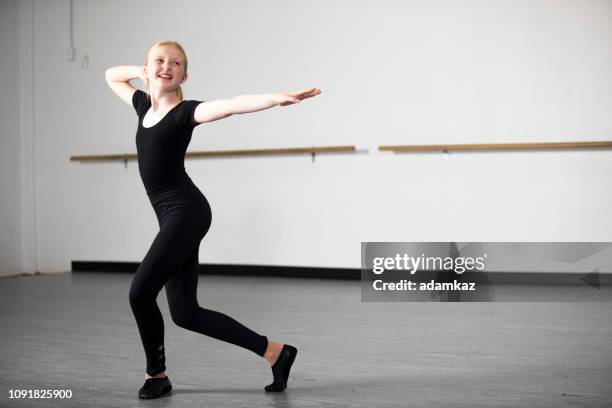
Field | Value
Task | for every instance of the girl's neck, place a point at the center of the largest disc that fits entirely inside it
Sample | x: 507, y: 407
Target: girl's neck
x: 162, y: 100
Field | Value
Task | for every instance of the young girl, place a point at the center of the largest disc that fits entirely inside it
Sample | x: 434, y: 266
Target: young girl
x: 165, y: 125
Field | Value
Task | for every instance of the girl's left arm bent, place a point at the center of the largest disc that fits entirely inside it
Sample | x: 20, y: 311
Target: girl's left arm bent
x: 222, y: 108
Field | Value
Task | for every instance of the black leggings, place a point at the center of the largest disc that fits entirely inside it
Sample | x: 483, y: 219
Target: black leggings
x: 184, y: 217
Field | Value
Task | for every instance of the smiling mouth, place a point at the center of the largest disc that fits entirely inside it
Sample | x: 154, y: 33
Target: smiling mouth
x: 165, y: 77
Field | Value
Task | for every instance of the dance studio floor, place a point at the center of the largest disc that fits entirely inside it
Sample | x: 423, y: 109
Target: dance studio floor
x: 75, y: 331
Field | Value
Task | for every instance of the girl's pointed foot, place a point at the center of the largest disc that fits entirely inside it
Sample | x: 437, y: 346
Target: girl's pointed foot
x: 281, y: 369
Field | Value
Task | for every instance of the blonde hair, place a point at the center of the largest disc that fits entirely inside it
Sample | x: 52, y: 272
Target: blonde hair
x: 179, y: 91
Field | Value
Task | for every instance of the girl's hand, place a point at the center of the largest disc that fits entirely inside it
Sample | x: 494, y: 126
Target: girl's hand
x: 143, y: 75
x: 296, y: 97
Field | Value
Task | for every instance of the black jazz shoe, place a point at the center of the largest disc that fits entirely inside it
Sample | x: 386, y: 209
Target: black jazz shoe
x: 155, y: 388
x: 280, y: 369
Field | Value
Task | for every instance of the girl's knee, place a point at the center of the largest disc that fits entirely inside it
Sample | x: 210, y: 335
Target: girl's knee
x: 140, y: 296
x: 182, y: 316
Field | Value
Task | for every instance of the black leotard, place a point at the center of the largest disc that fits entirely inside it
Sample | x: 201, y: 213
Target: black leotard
x: 161, y: 147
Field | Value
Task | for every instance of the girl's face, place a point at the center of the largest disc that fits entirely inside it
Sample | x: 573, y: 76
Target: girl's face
x: 165, y: 68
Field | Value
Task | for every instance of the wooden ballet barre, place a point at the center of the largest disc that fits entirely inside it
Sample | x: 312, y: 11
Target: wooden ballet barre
x: 493, y: 146
x: 227, y: 153
x: 122, y: 157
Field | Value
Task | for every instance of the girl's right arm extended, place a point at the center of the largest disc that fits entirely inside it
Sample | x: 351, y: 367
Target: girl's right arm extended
x: 118, y: 79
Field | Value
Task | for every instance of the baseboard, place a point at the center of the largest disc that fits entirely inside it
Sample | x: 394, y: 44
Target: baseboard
x: 517, y: 278
x: 230, y: 270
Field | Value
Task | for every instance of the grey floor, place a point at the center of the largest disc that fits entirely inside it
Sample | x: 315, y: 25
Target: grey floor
x: 76, y: 332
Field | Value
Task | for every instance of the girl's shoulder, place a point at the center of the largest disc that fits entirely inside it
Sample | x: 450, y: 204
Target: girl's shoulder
x: 140, y: 101
x: 186, y: 110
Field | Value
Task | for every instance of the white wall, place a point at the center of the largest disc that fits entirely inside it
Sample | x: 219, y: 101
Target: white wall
x: 10, y: 147
x: 414, y: 72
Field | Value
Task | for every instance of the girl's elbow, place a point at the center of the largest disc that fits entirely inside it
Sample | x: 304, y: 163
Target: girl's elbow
x: 111, y: 74
x: 108, y: 74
